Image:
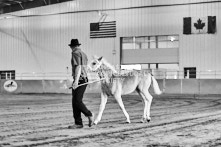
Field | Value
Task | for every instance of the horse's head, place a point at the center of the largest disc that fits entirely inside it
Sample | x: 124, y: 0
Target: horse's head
x: 95, y: 63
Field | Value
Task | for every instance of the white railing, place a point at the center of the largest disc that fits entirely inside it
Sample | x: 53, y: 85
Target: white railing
x: 158, y: 73
x: 49, y: 76
x: 175, y: 74
x: 43, y: 76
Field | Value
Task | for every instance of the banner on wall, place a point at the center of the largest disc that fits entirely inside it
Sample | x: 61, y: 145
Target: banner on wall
x: 199, y: 25
x: 10, y: 86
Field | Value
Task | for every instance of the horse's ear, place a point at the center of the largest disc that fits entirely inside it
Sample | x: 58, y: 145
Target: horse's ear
x: 99, y: 59
x: 95, y: 56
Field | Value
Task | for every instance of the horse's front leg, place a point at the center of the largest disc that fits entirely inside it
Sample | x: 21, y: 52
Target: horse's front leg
x: 101, y: 109
x: 121, y: 104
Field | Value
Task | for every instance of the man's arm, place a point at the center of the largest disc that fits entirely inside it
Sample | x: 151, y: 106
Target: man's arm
x: 76, y: 76
x: 77, y: 73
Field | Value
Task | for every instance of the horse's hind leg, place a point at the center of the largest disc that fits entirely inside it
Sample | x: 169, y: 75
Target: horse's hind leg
x: 149, y: 99
x: 145, y: 103
x: 120, y: 102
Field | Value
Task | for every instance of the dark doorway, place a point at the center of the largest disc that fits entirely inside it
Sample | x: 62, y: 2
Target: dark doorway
x: 189, y: 72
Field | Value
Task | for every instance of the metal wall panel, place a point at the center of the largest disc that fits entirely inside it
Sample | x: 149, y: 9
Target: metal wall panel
x: 40, y: 43
x: 202, y: 51
x: 131, y: 56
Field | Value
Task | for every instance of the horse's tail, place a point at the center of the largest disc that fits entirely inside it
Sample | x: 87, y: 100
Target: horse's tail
x: 155, y: 86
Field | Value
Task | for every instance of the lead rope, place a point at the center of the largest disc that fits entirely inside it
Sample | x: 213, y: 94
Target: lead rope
x: 88, y: 83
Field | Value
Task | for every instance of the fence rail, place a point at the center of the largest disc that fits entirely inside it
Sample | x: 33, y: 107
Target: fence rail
x: 158, y: 73
x: 173, y: 74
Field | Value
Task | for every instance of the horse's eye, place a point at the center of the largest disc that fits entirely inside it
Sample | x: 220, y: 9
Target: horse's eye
x: 93, y: 63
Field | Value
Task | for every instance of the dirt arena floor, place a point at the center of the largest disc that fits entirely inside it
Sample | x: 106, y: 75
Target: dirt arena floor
x: 177, y: 120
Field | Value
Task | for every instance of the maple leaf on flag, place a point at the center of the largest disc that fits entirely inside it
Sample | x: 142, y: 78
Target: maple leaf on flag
x: 199, y: 25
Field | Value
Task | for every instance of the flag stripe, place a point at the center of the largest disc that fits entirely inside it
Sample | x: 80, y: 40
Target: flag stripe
x: 105, y: 29
x: 211, y: 24
x: 109, y: 32
x: 102, y: 35
x: 187, y: 25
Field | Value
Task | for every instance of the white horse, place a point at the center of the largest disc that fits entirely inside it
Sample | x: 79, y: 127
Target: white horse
x: 114, y: 84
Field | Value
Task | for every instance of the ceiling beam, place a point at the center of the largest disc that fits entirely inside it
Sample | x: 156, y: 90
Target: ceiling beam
x: 17, y: 2
x: 45, y: 2
x: 17, y: 5
x: 7, y: 4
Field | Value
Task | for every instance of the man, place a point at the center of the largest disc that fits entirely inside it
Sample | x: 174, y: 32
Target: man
x: 79, y: 64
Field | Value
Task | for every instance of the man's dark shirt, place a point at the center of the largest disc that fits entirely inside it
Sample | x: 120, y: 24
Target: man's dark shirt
x: 79, y: 58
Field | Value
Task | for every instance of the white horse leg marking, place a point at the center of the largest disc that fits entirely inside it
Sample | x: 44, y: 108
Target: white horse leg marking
x: 102, y: 107
x: 144, y: 117
x: 149, y: 101
x: 120, y: 102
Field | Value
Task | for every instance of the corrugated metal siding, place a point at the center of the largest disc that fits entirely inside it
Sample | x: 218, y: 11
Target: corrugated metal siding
x: 150, y: 56
x: 203, y: 50
x: 149, y: 21
x: 40, y: 44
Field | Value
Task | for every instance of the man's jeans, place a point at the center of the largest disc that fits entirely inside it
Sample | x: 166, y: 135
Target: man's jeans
x: 77, y: 103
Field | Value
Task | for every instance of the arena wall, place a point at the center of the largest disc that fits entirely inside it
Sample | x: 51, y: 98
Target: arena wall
x: 169, y: 86
x: 36, y: 40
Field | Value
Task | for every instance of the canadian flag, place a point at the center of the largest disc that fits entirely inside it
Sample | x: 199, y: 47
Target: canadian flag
x: 199, y: 25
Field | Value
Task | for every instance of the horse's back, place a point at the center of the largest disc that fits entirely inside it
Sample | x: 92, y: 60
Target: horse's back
x: 134, y: 80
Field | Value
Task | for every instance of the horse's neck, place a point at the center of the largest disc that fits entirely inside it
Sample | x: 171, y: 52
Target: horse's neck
x: 108, y: 66
x: 107, y: 71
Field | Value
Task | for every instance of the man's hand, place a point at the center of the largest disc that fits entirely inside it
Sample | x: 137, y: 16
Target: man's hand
x: 74, y: 85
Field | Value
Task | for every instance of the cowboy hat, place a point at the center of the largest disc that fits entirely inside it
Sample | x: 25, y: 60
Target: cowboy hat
x: 74, y: 42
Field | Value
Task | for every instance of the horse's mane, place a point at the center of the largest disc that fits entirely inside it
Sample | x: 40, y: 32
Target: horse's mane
x: 111, y: 67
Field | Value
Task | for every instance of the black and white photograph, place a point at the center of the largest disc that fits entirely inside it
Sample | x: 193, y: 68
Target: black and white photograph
x: 110, y: 73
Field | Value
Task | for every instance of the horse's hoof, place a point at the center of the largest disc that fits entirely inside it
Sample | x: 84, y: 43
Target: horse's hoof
x: 148, y: 120
x: 143, y: 120
x: 128, y: 122
x: 95, y: 123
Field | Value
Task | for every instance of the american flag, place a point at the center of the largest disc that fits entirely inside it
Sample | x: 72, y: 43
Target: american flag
x: 103, y: 29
